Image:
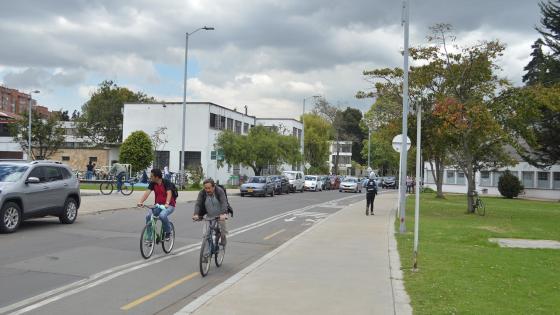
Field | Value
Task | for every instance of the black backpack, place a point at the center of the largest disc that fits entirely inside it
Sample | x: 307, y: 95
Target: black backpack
x: 174, y: 191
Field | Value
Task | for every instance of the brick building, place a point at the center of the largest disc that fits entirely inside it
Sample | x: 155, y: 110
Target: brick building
x: 13, y: 101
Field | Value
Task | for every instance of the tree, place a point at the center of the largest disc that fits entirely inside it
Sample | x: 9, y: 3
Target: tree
x: 317, y: 147
x: 550, y: 28
x: 102, y: 117
x: 352, y: 131
x: 47, y: 136
x: 159, y: 140
x: 75, y: 115
x: 137, y: 151
x: 509, y: 186
x: 259, y: 149
x: 63, y: 115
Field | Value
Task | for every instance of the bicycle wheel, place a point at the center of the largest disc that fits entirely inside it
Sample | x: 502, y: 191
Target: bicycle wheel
x: 219, y: 257
x: 168, y: 245
x: 106, y: 188
x: 480, y: 207
x: 205, y: 257
x: 147, y: 241
x: 127, y: 188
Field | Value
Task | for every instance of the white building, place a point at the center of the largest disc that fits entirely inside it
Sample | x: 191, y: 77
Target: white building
x: 204, y: 121
x: 344, y: 156
x: 538, y: 183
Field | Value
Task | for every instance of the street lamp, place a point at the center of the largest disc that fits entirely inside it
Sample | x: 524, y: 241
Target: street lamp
x: 182, y: 157
x: 29, y: 127
x: 303, y: 131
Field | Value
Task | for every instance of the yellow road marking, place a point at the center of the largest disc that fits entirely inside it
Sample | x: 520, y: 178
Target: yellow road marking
x: 158, y: 292
x: 274, y: 234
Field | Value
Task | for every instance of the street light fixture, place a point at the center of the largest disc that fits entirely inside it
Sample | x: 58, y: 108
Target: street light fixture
x: 29, y: 127
x: 303, y: 131
x: 182, y: 157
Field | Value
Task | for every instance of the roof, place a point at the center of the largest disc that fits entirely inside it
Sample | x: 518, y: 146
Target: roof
x: 280, y: 119
x: 191, y: 103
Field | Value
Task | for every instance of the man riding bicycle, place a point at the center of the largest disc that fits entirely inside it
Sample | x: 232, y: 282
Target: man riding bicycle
x: 119, y: 171
x: 162, y: 189
x: 212, y: 202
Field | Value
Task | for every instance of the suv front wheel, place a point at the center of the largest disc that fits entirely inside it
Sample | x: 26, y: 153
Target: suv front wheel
x: 10, y: 214
x: 70, y: 211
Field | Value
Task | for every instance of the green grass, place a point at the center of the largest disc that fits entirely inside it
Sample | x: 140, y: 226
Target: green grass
x: 461, y: 272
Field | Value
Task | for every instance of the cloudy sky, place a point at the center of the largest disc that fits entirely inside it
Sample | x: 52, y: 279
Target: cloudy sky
x: 266, y: 54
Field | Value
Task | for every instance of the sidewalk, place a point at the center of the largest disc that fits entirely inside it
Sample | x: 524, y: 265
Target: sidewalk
x: 93, y: 202
x: 346, y: 264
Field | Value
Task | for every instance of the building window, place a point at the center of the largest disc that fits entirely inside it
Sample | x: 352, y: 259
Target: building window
x: 161, y: 159
x: 5, y: 130
x: 93, y: 158
x: 496, y: 178
x: 192, y: 159
x: 543, y: 180
x: 66, y: 158
x: 230, y: 124
x: 222, y: 123
x: 556, y: 182
x: 245, y: 128
x: 212, y: 155
x: 529, y: 179
x: 485, y: 178
x: 450, y: 177
x: 213, y: 121
x: 460, y: 178
x: 237, y: 127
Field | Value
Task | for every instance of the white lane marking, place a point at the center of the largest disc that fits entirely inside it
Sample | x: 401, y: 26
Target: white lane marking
x: 290, y: 219
x: 109, y: 274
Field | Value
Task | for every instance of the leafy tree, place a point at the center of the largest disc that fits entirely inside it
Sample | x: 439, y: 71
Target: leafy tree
x: 63, y: 115
x: 350, y: 120
x: 317, y: 136
x: 550, y: 28
x: 75, y: 115
x: 509, y: 186
x: 137, y: 151
x: 259, y: 149
x: 102, y: 118
x: 47, y: 136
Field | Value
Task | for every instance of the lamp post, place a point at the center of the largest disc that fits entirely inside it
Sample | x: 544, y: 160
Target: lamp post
x: 303, y: 132
x: 403, y: 159
x: 29, y: 127
x: 182, y: 157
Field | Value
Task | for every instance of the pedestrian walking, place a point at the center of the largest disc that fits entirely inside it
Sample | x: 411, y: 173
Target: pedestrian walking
x: 89, y: 171
x: 371, y: 191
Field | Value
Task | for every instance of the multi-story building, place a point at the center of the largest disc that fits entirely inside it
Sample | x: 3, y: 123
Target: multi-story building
x: 344, y: 149
x: 13, y: 101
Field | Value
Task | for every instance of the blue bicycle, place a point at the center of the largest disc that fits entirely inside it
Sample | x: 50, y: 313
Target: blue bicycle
x: 211, y: 246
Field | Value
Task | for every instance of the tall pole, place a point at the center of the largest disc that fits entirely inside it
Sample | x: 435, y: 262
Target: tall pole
x: 402, y: 192
x: 303, y: 138
x: 29, y: 158
x: 182, y: 156
x: 418, y: 174
x: 369, y: 149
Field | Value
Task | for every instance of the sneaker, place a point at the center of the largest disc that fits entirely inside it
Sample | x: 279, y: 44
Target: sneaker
x: 148, y: 243
x: 367, y: 213
x: 167, y: 236
x: 223, y: 241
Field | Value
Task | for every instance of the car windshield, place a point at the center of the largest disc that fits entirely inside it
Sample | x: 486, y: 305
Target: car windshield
x: 11, y: 173
x: 350, y: 180
x: 310, y: 178
x: 290, y: 175
x: 257, y: 180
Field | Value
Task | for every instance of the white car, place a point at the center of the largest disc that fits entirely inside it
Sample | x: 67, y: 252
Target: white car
x: 296, y: 180
x: 313, y: 182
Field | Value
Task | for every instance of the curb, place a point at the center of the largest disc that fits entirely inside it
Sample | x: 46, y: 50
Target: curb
x: 401, y: 299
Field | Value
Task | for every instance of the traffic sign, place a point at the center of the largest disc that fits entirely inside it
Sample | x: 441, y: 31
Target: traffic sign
x: 397, y: 142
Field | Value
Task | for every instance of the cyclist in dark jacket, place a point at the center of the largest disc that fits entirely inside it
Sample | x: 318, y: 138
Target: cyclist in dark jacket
x: 212, y: 202
x: 371, y: 191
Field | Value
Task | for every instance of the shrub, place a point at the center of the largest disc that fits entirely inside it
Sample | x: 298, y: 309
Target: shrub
x: 137, y: 151
x: 509, y: 185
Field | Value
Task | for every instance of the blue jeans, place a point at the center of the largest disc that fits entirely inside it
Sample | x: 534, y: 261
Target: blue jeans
x: 120, y: 180
x: 163, y: 216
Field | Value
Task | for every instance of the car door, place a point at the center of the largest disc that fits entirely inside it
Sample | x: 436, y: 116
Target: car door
x: 56, y: 187
x: 36, y: 194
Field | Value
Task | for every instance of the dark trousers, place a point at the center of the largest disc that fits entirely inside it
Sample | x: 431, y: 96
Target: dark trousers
x: 120, y: 177
x: 370, y: 198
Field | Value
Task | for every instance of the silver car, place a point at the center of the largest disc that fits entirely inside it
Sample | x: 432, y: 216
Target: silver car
x: 350, y: 184
x: 37, y: 189
x: 258, y: 185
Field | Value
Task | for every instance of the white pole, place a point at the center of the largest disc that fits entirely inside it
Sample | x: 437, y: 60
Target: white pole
x: 402, y: 194
x: 182, y: 156
x: 303, y: 138
x: 418, y: 175
x: 29, y: 158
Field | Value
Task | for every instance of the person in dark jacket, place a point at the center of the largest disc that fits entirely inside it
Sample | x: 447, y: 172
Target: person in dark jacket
x: 371, y: 191
x: 212, y: 202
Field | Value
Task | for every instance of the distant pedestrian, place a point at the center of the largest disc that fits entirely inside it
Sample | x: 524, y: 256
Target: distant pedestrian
x: 166, y: 173
x: 144, y: 177
x: 89, y: 171
x: 371, y: 191
x: 119, y: 171
x: 408, y: 184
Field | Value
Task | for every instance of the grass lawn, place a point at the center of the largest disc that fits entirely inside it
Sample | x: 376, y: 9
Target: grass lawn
x: 461, y: 272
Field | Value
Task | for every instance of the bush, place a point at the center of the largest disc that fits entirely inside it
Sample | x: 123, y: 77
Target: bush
x: 137, y: 151
x: 509, y: 185
x: 196, y: 175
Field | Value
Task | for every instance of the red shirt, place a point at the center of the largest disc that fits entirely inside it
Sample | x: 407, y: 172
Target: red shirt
x: 160, y: 192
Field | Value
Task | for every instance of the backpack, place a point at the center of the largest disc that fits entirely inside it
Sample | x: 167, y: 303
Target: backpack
x: 229, y: 208
x: 174, y: 191
x: 371, y: 186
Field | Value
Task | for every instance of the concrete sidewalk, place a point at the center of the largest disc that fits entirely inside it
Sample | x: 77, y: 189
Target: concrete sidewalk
x: 93, y: 203
x: 347, y: 264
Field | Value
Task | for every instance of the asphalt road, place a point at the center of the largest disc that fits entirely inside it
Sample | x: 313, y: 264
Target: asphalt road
x: 94, y: 265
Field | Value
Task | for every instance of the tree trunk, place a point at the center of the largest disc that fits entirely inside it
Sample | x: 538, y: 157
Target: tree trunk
x: 439, y: 177
x: 471, y: 187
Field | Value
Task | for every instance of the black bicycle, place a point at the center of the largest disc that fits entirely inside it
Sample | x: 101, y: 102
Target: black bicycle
x: 127, y: 186
x: 211, y: 246
x: 479, y: 206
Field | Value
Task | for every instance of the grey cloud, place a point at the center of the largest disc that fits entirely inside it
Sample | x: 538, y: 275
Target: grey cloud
x: 41, y: 78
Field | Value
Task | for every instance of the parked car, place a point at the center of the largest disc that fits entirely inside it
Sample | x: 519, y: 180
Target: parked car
x: 281, y: 184
x: 335, y: 182
x: 296, y: 180
x: 37, y: 189
x: 389, y: 182
x: 350, y: 184
x: 258, y: 186
x: 326, y: 183
x: 313, y: 182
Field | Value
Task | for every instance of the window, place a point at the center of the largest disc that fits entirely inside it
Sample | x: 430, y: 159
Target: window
x: 93, y: 159
x: 237, y: 127
x: 66, y: 173
x: 450, y: 177
x: 429, y: 176
x: 192, y: 159
x: 245, y: 128
x: 496, y: 178
x: 460, y: 178
x: 53, y: 173
x: 66, y: 158
x: 212, y: 155
x: 5, y: 130
x: 295, y: 132
x: 528, y: 179
x: 556, y: 182
x: 485, y: 178
x: 222, y: 123
x: 38, y: 172
x: 213, y: 121
x: 230, y: 124
x: 161, y: 159
x: 543, y: 180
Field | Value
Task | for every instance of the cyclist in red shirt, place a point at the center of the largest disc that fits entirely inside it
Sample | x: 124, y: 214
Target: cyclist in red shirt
x: 163, y: 196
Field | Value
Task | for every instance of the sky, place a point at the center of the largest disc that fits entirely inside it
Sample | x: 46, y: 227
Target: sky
x: 266, y: 54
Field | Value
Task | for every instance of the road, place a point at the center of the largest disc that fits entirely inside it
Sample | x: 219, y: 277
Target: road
x: 94, y: 266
